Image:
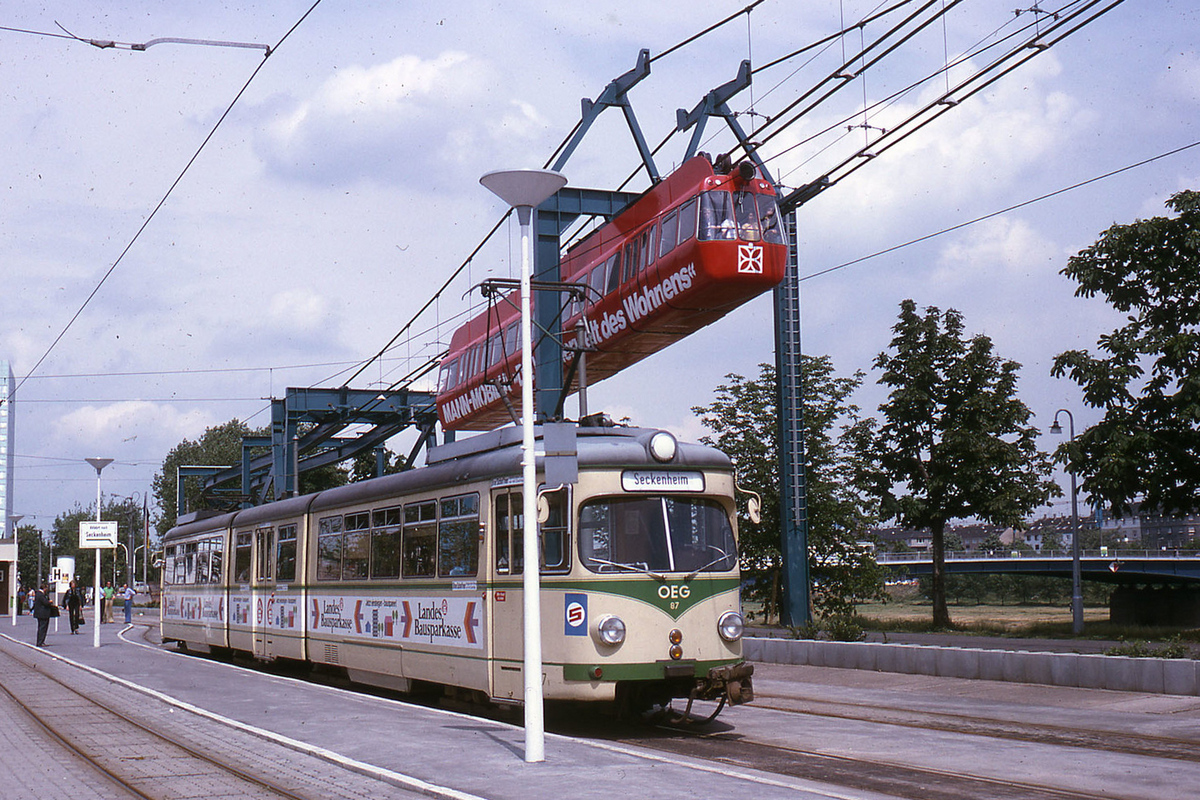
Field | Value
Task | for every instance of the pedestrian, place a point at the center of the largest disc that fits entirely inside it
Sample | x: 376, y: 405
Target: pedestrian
x: 126, y: 594
x: 74, y: 601
x: 21, y: 600
x: 108, y: 601
x: 44, y: 611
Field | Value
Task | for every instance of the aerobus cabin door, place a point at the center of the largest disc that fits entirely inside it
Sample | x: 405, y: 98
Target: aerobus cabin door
x: 505, y: 563
x: 262, y: 591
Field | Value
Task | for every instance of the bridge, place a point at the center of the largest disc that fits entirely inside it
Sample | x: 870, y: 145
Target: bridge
x: 1106, y: 564
x: 1153, y: 587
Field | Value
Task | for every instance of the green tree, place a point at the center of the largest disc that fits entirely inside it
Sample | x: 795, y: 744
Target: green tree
x: 743, y: 420
x: 955, y: 440
x: 1147, y: 378
x: 221, y: 445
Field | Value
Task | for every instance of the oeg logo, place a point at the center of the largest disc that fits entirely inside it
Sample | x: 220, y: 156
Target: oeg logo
x: 674, y: 592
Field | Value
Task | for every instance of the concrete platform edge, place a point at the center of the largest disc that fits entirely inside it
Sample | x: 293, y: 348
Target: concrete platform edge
x: 1082, y: 670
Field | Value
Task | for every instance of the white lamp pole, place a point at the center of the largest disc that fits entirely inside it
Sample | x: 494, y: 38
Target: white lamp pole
x: 12, y: 573
x: 525, y: 189
x: 1076, y: 571
x: 99, y: 464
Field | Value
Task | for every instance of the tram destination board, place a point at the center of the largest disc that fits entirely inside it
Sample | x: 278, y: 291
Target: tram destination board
x: 96, y: 535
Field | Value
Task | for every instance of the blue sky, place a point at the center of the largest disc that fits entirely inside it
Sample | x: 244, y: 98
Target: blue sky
x: 342, y: 189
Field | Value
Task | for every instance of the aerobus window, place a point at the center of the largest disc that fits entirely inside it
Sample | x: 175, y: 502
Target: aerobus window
x: 555, y: 550
x: 747, y: 216
x: 716, y: 216
x: 511, y: 338
x: 687, y: 221
x: 241, y: 557
x: 631, y: 259
x: 614, y: 272
x: 496, y: 346
x: 596, y: 281
x: 356, y: 546
x: 772, y: 221
x: 510, y: 530
x: 656, y: 534
x: 670, y: 227
x: 458, y: 536
x: 648, y: 247
x: 418, y: 548
x: 448, y: 376
x: 329, y: 548
x: 385, y: 542
x: 265, y: 568
x: 285, y: 554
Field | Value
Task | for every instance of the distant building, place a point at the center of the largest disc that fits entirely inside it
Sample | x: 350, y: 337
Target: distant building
x: 1154, y: 531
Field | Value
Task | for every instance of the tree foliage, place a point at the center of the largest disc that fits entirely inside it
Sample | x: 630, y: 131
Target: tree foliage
x: 743, y: 419
x: 220, y: 445
x: 955, y: 441
x: 1146, y: 378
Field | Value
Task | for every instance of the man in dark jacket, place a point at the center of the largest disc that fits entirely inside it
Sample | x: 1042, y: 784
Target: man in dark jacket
x: 43, y: 611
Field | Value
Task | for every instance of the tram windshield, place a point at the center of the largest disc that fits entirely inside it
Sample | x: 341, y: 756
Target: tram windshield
x: 656, y: 535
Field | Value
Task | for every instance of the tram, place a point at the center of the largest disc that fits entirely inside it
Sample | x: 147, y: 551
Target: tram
x: 413, y: 581
x: 694, y: 247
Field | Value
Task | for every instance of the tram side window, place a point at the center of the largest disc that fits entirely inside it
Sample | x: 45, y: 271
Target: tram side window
x: 385, y: 542
x: 555, y: 549
x: 772, y: 221
x: 746, y: 210
x: 285, y: 558
x: 670, y: 228
x: 510, y: 541
x: 356, y: 546
x: 265, y: 568
x: 329, y: 548
x: 458, y: 536
x: 716, y: 216
x: 241, y: 557
x: 216, y: 559
x: 168, y: 571
x: 419, y: 545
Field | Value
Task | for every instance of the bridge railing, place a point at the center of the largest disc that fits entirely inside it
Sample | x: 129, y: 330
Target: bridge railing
x: 920, y: 556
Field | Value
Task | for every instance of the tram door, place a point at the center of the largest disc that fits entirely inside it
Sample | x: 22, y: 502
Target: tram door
x: 506, y: 564
x: 262, y: 591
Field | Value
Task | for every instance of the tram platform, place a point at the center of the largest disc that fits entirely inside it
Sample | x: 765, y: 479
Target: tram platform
x: 418, y: 750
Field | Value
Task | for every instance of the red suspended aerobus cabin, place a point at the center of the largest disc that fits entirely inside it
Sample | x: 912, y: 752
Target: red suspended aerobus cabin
x: 691, y: 249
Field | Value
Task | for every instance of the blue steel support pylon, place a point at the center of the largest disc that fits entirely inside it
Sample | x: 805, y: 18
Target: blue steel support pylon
x: 793, y: 488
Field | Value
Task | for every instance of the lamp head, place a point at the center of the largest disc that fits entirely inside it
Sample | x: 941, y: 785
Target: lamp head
x: 1056, y: 428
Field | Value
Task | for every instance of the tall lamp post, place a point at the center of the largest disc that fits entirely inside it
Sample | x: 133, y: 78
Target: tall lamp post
x: 13, y: 519
x: 99, y: 464
x: 1076, y: 588
x: 524, y: 189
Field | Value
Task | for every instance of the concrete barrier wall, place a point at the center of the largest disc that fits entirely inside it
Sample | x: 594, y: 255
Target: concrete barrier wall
x: 1090, y: 671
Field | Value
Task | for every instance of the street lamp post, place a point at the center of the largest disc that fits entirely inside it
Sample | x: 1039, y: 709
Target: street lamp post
x: 99, y: 464
x: 1076, y: 588
x: 525, y: 189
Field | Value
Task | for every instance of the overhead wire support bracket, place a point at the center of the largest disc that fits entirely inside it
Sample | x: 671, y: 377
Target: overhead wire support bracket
x: 107, y: 44
x: 616, y: 95
x: 715, y: 104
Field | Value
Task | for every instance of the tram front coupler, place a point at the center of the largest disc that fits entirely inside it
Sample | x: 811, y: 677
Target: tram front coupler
x: 731, y: 683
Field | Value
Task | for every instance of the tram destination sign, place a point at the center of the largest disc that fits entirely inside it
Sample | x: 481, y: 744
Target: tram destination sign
x: 649, y: 480
x: 95, y: 535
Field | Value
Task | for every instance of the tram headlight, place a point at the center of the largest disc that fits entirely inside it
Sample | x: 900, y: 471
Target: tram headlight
x: 610, y: 630
x: 730, y: 626
x: 663, y: 447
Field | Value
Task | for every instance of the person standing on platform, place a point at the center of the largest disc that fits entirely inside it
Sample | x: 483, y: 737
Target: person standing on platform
x: 21, y: 601
x: 74, y: 600
x: 126, y: 594
x: 43, y: 611
x: 107, y: 609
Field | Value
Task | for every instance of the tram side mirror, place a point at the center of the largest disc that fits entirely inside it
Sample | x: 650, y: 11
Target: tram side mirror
x: 754, y: 509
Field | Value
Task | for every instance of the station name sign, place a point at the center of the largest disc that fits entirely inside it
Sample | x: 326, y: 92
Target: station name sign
x: 96, y: 535
x: 645, y: 480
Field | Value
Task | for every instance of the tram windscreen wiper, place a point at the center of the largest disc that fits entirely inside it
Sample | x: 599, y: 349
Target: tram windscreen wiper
x: 723, y: 557
x: 632, y: 567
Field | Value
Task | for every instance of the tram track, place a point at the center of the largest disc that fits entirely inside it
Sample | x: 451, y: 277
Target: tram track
x: 1136, y: 744
x: 133, y: 756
